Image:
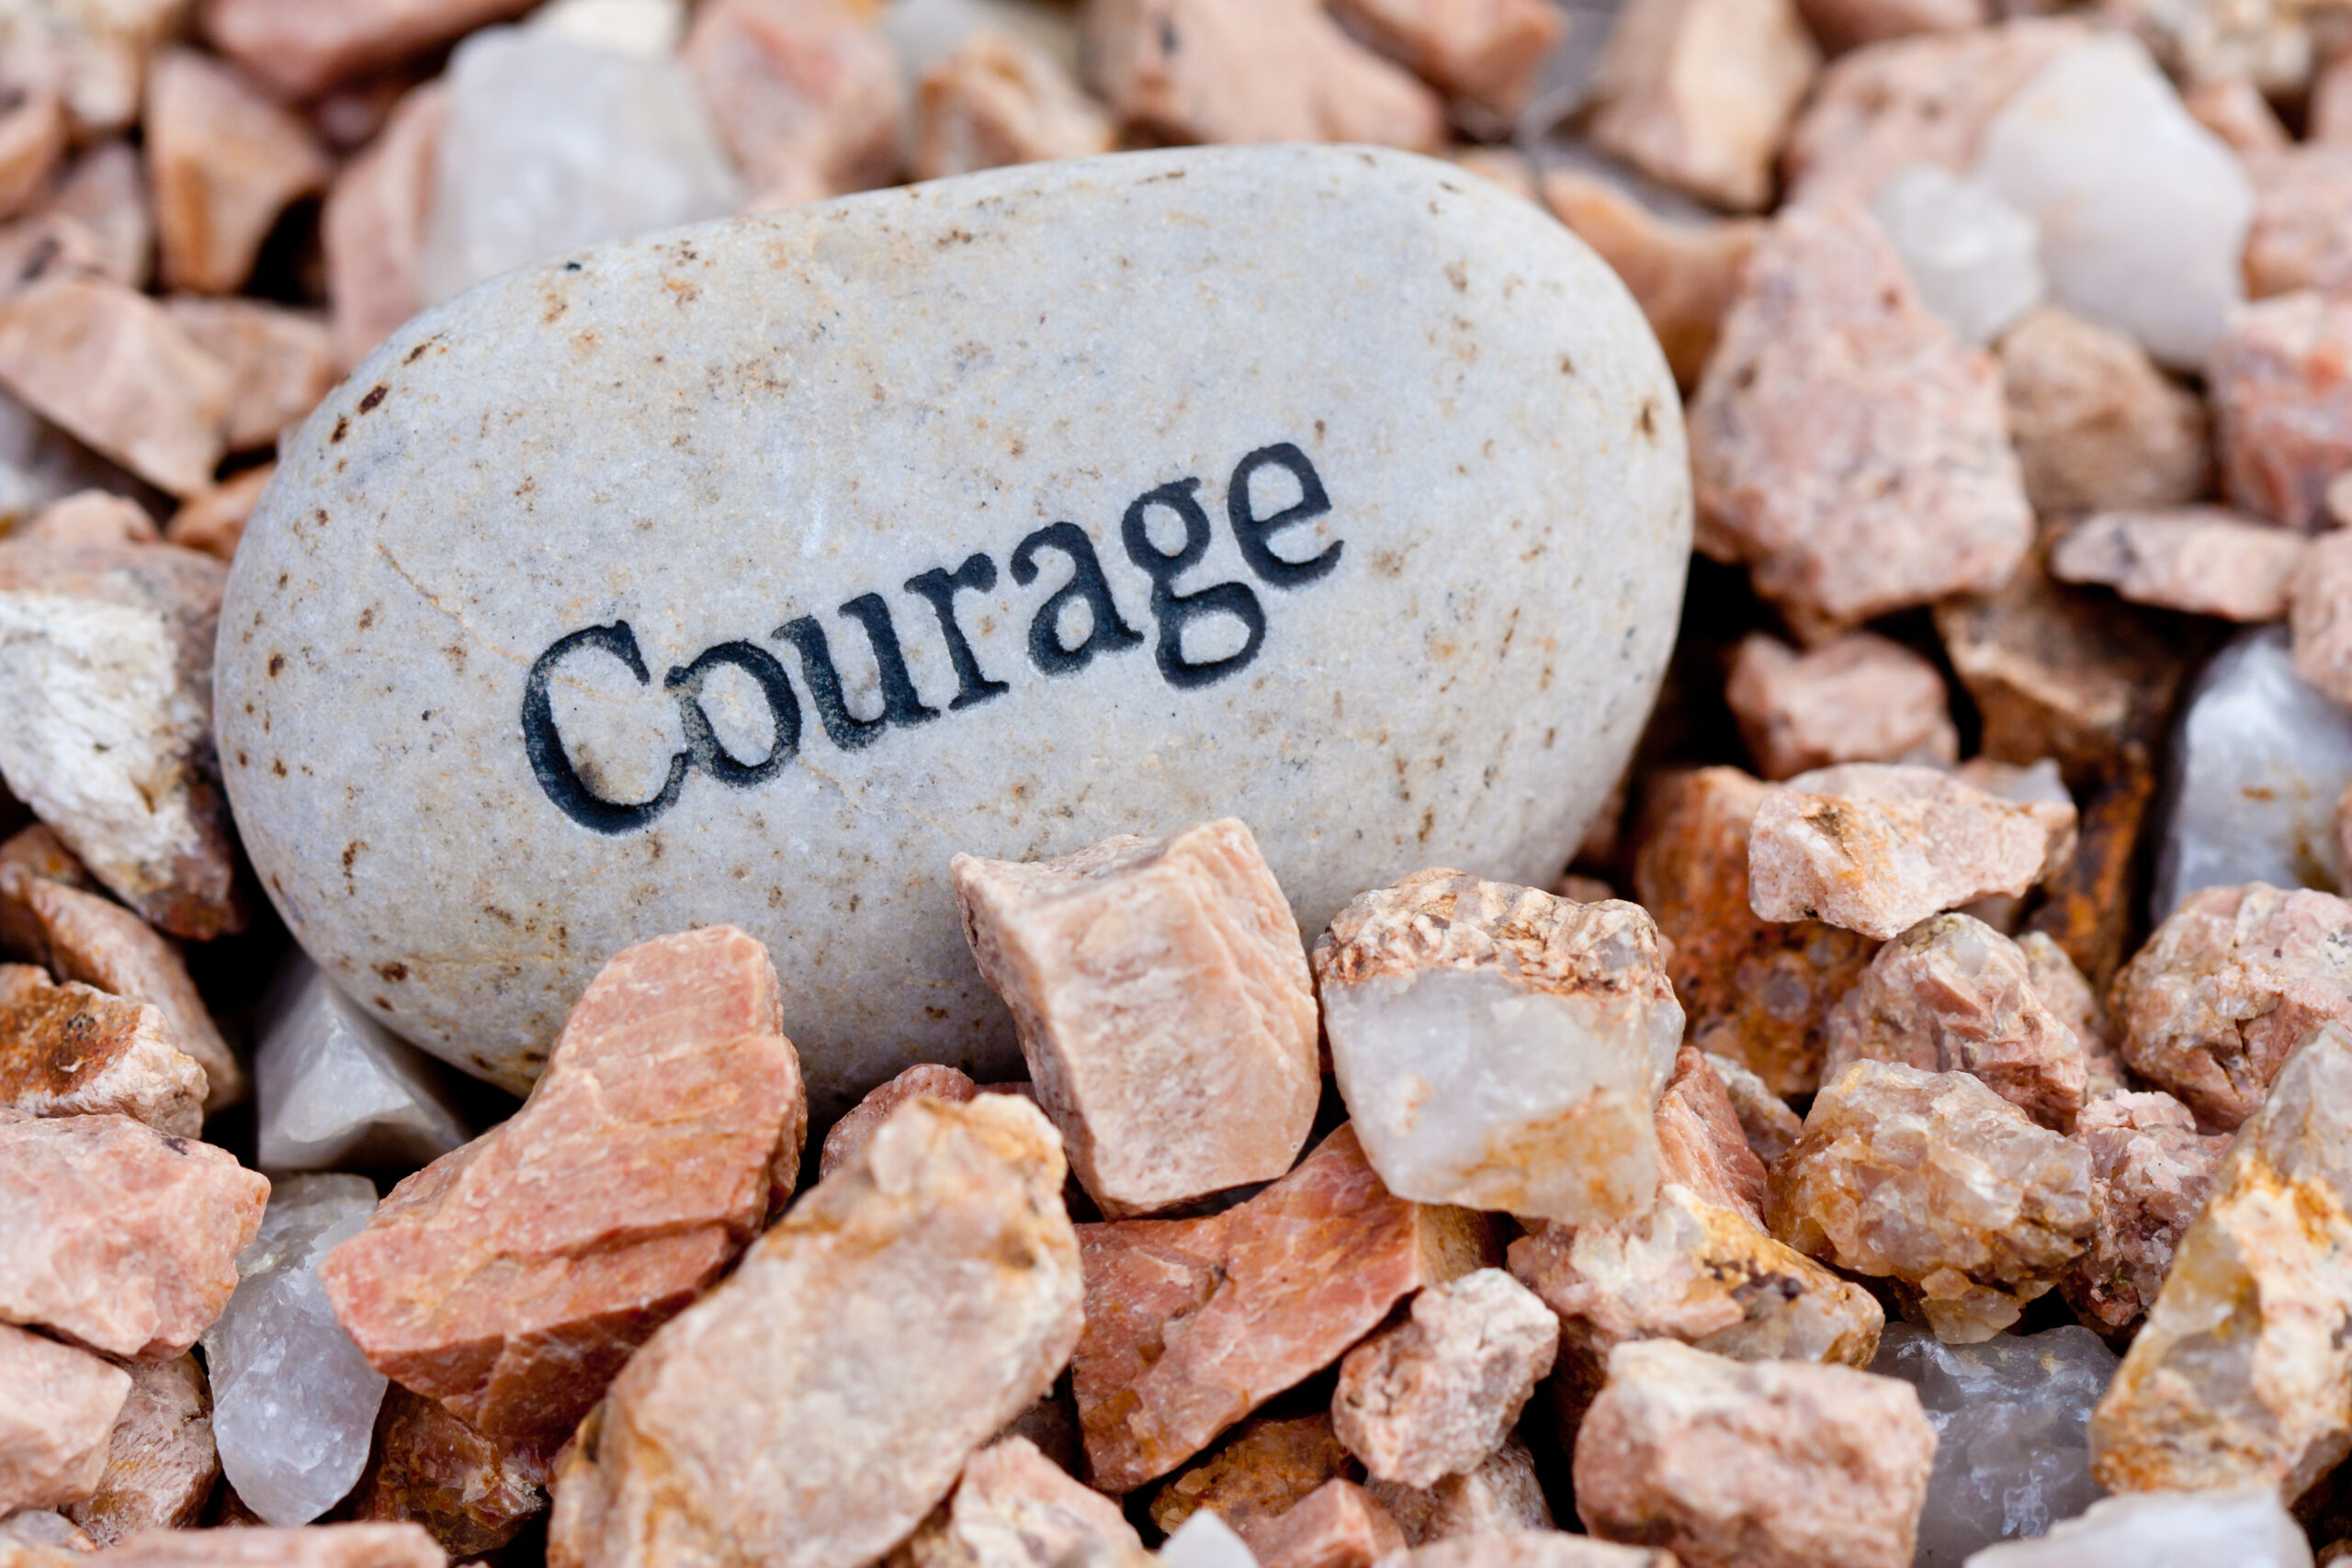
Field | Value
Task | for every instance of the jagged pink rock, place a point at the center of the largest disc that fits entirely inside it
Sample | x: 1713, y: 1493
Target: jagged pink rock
x: 161, y: 1461
x: 1702, y: 1144
x: 848, y: 1135
x: 2152, y: 1172
x: 1015, y: 1508
x: 2201, y: 559
x: 57, y: 1410
x: 1502, y: 1496
x: 1337, y: 1525
x: 1858, y: 698
x: 2282, y: 406
x: 1436, y: 1394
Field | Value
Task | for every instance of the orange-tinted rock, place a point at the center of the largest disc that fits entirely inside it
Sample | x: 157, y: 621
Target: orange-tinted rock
x: 1261, y: 1471
x: 2301, y: 236
x: 511, y: 1279
x: 225, y: 161
x: 1337, y: 1525
x: 213, y: 521
x: 70, y: 1050
x: 1770, y: 1127
x: 1000, y: 100
x: 303, y: 47
x: 1436, y: 1394
x: 309, y: 1546
x: 2153, y: 1171
x: 117, y: 1236
x: 111, y: 367
x: 91, y: 518
x: 2234, y: 108
x: 1701, y: 1141
x: 1858, y: 698
x: 372, y: 227
x: 2320, y: 615
x: 805, y: 93
x: 2282, y: 404
x: 32, y: 137
x: 161, y: 1462
x: 2201, y: 559
x: 1485, y: 51
x: 472, y: 1494
x: 849, y: 1135
x: 1502, y: 1496
x: 1683, y: 275
x: 102, y: 197
x: 57, y: 1410
x: 1163, y: 1005
x: 2096, y: 425
x: 1015, y: 1508
x: 280, y: 362
x: 1698, y: 94
x: 1756, y: 991
x: 1843, y: 25
x: 1192, y: 1324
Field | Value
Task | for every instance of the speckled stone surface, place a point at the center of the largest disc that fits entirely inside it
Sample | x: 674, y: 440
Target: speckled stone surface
x: 504, y: 674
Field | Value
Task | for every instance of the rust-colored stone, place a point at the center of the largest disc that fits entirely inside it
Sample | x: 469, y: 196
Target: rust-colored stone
x: 471, y: 1492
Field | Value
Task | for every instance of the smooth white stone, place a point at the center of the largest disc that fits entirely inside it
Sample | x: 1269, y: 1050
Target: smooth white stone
x: 728, y: 433
x: 644, y: 29
x: 2166, y: 1529
x: 293, y: 1401
x: 2010, y: 1417
x: 2257, y: 762
x: 1204, y: 1541
x: 549, y: 145
x: 1973, y: 258
x: 2143, y: 212
x: 337, y: 1088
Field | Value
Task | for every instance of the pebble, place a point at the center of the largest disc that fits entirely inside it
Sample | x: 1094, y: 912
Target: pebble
x: 511, y: 1279
x: 1002, y: 100
x: 1844, y: 446
x: 2152, y: 1172
x: 301, y: 48
x: 2010, y: 1415
x: 160, y: 1462
x: 1163, y: 1005
x: 2302, y: 237
x: 1192, y: 1324
x: 1682, y: 272
x: 280, y: 362
x: 1490, y: 53
x: 2247, y: 1527
x: 224, y: 162
x: 337, y: 1088
x: 1771, y: 1464
x: 1437, y: 1394
x: 1501, y: 1048
x: 1337, y: 1525
x: 2280, y: 405
x: 1772, y: 1129
x: 106, y: 656
x: 2143, y: 212
x: 117, y: 1236
x: 1015, y: 1508
x: 1259, y: 1472
x: 1698, y: 94
x: 409, y: 931
x: 2202, y: 559
x: 2320, y: 616
x: 1246, y: 71
x: 70, y: 1050
x: 1502, y: 1496
x: 1701, y: 1141
x: 313, y: 1545
x: 547, y: 146
x: 2225, y: 991
x: 923, y: 1294
x: 1533, y: 1548
x: 804, y: 94
x: 111, y: 367
x: 371, y: 229
x: 1974, y: 259
x: 293, y: 1401
x: 1756, y: 992
x: 1953, y: 995
x: 471, y: 1492
x: 2097, y: 426
x: 1972, y: 1209
x: 1856, y: 698
x: 1877, y: 848
x: 56, y: 1420
x: 2242, y: 1374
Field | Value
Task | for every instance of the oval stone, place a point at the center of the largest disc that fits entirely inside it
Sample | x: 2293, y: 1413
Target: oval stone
x: 749, y: 572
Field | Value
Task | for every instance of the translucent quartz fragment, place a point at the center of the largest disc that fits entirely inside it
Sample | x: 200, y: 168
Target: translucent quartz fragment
x: 1974, y: 258
x: 338, y: 1087
x: 2165, y: 1530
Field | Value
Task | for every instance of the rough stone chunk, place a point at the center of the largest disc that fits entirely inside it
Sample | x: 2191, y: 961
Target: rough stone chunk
x: 105, y: 664
x: 510, y: 1279
x: 2320, y: 616
x: 1539, y: 1547
x: 111, y: 367
x: 1877, y: 849
x: 69, y: 1050
x: 2151, y: 1171
x: 1015, y: 1508
x: 849, y: 1135
x: 1230, y: 71
x: 2242, y: 1376
x: 2282, y: 406
x: 1439, y: 1393
x: 1756, y: 992
x: 1973, y: 258
x: 1772, y: 1129
x: 2011, y: 1454
x: 1499, y: 1047
x: 2301, y: 236
x: 1001, y: 100
x: 2096, y: 424
x: 335, y: 1087
x: 1844, y: 444
x: 1858, y: 698
x: 472, y: 1494
x: 1953, y: 995
x: 2202, y: 560
x: 1163, y: 1005
x: 1701, y: 1141
x: 161, y: 1462
x: 1683, y: 274
x: 2066, y: 991
x: 1502, y: 1496
x: 2228, y: 987
x: 1935, y: 1182
x: 372, y: 227
x: 2234, y: 108
x: 294, y: 1402
x: 303, y: 47
x: 1776, y: 1464
x: 58, y: 1407
x: 224, y: 161
x: 1699, y: 93
x: 927, y: 1292
x: 1490, y: 53
x: 1337, y: 1525
x: 314, y: 1546
x: 280, y: 362
x: 214, y: 520
x: 1263, y: 1469
x: 117, y: 1236
x: 805, y: 93
x: 2165, y: 1530
x: 32, y: 139
x: 1192, y: 1324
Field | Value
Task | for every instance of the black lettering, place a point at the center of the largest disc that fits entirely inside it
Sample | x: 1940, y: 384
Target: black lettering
x: 1105, y: 632
x: 544, y: 745
x: 702, y: 740
x: 1176, y: 611
x: 1251, y: 531
x: 939, y: 585
x: 900, y: 703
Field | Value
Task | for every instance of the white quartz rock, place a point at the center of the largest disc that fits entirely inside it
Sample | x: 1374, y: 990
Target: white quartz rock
x: 2257, y: 763
x: 1974, y: 258
x: 335, y: 1087
x: 2166, y: 1529
x: 2009, y: 1415
x: 293, y: 1401
x: 646, y: 29
x: 550, y: 145
x: 2143, y: 212
x: 1204, y: 1541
